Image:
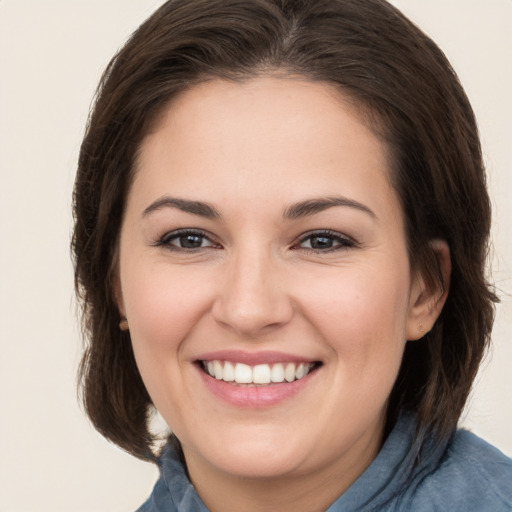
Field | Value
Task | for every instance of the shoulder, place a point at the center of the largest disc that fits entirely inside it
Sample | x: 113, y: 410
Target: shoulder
x: 173, y: 491
x: 471, y: 475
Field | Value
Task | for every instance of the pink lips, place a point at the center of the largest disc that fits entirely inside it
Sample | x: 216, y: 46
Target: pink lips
x: 252, y: 359
x: 247, y: 396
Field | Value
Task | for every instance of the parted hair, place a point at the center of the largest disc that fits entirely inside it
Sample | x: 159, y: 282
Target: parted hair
x: 411, y: 97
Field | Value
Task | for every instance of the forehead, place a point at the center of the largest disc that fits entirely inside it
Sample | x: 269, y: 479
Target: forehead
x: 259, y: 137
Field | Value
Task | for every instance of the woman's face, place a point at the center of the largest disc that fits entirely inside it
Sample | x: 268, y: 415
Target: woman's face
x: 262, y: 241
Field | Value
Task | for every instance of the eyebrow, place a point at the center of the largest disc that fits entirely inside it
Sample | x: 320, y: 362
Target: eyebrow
x: 194, y: 207
x: 313, y: 206
x: 295, y: 211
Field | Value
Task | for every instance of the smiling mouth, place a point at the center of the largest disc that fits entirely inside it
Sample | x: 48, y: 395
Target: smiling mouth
x: 258, y: 375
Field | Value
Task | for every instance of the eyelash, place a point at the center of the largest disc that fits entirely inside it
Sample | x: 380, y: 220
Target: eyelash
x: 343, y: 242
x: 167, y: 239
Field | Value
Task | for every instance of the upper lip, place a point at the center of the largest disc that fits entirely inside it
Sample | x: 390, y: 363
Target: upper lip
x: 254, y: 358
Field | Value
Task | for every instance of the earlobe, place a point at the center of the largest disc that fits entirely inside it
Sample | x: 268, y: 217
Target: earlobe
x: 427, y: 299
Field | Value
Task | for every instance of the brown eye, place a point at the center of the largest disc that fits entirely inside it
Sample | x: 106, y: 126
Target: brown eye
x: 321, y: 242
x: 187, y: 240
x: 326, y: 241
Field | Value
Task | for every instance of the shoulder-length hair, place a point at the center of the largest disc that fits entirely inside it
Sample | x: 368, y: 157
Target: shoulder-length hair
x: 410, y: 96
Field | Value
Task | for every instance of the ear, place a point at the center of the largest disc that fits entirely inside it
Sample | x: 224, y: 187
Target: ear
x: 118, y: 297
x: 427, y: 301
x: 118, y: 294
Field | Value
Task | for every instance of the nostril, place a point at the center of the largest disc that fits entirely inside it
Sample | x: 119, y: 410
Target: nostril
x: 251, y: 317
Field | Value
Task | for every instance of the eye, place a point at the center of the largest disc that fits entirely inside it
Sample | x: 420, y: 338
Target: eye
x: 325, y: 241
x: 186, y: 239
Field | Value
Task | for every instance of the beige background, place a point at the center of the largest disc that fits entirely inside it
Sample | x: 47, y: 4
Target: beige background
x: 51, y: 55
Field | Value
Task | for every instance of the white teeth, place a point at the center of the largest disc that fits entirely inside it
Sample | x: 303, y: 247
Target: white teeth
x: 229, y: 372
x: 243, y: 373
x: 300, y: 371
x: 277, y: 374
x: 289, y: 372
x: 217, y: 369
x: 259, y: 374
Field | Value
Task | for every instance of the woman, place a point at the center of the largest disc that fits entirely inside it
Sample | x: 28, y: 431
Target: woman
x: 280, y: 243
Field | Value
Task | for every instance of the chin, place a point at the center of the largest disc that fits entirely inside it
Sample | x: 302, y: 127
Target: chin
x: 253, y: 456
x: 259, y: 465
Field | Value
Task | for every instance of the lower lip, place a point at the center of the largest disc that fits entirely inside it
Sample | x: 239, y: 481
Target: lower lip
x: 255, y: 396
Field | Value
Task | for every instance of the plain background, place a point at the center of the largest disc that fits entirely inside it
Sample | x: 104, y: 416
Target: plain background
x: 52, y: 53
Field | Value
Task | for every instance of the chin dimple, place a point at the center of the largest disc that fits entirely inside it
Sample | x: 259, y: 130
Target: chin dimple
x: 260, y: 374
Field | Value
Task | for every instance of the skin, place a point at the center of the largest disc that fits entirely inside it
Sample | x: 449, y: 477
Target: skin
x: 254, y: 283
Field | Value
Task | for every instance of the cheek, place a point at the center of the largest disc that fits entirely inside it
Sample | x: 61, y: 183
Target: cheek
x: 361, y: 315
x: 163, y: 305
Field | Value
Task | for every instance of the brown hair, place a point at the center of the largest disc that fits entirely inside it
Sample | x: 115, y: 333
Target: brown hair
x: 402, y: 81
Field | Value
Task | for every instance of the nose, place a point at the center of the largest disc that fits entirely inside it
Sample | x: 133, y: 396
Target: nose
x: 253, y: 298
